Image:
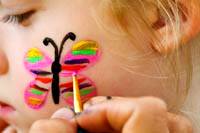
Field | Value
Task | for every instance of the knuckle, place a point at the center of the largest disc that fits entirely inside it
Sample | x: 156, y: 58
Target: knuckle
x: 152, y: 108
x: 185, y: 125
x: 150, y: 113
x: 189, y: 128
x: 179, y: 124
x: 153, y: 103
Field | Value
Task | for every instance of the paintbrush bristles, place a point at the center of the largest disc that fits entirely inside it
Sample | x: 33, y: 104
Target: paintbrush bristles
x: 78, y: 107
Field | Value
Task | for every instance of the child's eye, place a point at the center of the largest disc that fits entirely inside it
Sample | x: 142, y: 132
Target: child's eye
x: 18, y: 18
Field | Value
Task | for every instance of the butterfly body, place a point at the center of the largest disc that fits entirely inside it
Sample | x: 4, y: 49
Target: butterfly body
x: 55, y: 69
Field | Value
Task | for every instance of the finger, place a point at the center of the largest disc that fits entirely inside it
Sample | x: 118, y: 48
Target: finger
x: 179, y: 124
x: 61, y: 122
x: 9, y: 129
x: 96, y: 117
x: 124, y: 115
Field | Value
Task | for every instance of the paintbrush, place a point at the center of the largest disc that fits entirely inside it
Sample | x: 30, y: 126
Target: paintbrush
x: 78, y: 106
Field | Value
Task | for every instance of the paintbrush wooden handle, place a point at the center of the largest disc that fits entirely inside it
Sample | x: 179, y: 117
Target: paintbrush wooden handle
x: 78, y: 107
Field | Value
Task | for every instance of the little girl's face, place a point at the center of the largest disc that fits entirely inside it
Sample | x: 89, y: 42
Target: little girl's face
x: 120, y: 70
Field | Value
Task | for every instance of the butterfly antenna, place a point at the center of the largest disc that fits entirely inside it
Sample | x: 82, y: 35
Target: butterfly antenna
x: 70, y: 36
x: 48, y: 41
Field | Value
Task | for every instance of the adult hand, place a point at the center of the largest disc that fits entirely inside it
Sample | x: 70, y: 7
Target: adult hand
x: 117, y: 115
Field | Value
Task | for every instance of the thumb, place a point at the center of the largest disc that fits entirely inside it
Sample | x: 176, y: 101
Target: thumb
x: 63, y: 113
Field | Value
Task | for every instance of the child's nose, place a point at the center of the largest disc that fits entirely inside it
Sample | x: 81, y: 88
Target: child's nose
x: 3, y: 63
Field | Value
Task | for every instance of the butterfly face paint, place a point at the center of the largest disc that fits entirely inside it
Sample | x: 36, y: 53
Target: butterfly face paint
x: 56, y: 75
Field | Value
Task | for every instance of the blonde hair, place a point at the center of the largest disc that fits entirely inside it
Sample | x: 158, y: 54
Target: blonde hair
x: 134, y: 13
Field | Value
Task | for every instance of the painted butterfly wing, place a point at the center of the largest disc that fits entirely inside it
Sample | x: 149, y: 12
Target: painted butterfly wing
x: 35, y: 96
x: 36, y: 62
x: 86, y: 86
x: 82, y: 55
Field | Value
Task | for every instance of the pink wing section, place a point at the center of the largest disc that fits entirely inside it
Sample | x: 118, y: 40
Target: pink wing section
x: 35, y: 96
x: 82, y: 55
x: 36, y: 62
x: 86, y: 86
x: 36, y: 59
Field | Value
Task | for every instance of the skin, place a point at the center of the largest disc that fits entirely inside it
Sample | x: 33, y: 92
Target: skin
x: 137, y: 114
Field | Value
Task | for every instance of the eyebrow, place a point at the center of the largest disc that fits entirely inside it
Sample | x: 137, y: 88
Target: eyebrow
x: 18, y: 6
x: 12, y: 3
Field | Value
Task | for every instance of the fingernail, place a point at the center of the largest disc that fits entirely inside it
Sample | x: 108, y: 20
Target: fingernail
x: 63, y: 113
x: 87, y: 111
x: 87, y: 104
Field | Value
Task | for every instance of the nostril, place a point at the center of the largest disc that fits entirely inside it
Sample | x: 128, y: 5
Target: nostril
x: 3, y: 64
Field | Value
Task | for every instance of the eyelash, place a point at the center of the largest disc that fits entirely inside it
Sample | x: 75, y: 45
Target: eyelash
x: 19, y: 18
